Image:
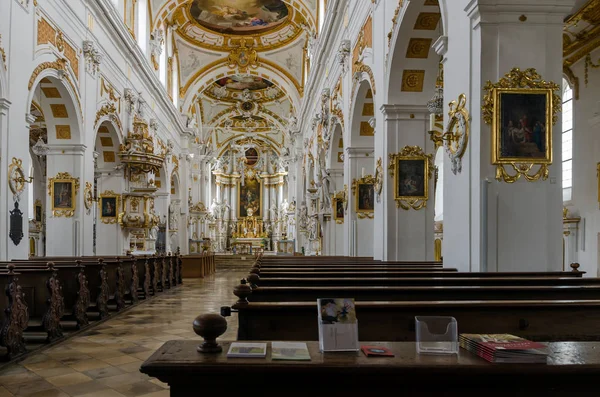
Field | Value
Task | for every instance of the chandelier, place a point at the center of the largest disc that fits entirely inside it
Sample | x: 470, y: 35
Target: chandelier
x: 436, y: 104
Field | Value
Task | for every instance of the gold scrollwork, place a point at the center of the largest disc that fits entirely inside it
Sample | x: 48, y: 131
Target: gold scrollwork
x: 412, y: 169
x: 16, y: 176
x: 62, y: 190
x: 243, y: 57
x: 517, y: 82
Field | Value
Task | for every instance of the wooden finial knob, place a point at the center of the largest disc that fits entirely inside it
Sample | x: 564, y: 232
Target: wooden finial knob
x: 50, y: 265
x: 101, y: 261
x: 575, y: 267
x: 254, y: 280
x: 210, y: 326
x: 10, y: 268
x: 242, y: 291
x: 78, y: 261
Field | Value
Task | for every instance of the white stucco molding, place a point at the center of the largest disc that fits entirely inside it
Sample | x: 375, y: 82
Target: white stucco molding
x: 360, y: 152
x: 509, y: 11
x: 405, y: 112
x: 69, y: 149
x: 441, y: 46
x: 4, y: 106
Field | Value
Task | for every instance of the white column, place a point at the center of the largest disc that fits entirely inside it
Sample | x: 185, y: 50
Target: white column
x: 516, y: 227
x: 359, y: 232
x: 5, y: 200
x: 408, y: 235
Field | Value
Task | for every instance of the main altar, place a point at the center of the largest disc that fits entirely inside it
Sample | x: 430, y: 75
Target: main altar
x: 250, y: 231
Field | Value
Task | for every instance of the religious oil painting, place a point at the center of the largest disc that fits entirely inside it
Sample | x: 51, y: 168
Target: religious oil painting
x: 239, y: 17
x: 109, y: 207
x: 523, y: 126
x: 244, y: 82
x: 250, y: 198
x: 412, y: 178
x: 38, y: 212
x: 338, y: 209
x: 251, y: 156
x: 365, y: 197
x: 63, y: 195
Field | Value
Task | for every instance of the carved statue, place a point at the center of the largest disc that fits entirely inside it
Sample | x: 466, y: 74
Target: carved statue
x: 326, y: 188
x: 303, y: 216
x: 154, y: 232
x: 274, y: 212
x: 312, y: 228
x: 173, y: 215
x: 214, y: 208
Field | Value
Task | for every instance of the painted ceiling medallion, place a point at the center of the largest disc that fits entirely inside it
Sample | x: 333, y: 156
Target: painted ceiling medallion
x: 244, y: 82
x: 241, y: 17
x: 243, y: 57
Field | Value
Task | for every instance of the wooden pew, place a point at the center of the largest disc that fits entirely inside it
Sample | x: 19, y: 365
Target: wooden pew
x: 551, y: 320
x: 572, y: 370
x: 198, y: 266
x: 426, y: 293
x: 410, y: 273
x: 414, y: 281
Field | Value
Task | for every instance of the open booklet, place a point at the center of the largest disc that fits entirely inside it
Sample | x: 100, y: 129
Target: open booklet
x: 338, y: 326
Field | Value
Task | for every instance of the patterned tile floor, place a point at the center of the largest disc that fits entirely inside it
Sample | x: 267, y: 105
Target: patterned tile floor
x: 105, y: 361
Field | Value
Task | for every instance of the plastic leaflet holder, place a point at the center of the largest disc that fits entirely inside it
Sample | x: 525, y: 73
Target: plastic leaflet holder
x: 436, y: 335
x: 338, y: 326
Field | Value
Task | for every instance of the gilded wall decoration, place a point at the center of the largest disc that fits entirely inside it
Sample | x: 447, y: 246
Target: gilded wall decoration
x: 411, y: 169
x: 108, y: 157
x: 62, y: 190
x: 243, y: 57
x: 522, y: 109
x: 412, y: 80
x: 366, y: 129
x: 368, y: 109
x: 59, y: 110
x: 338, y: 208
x: 427, y: 21
x: 63, y: 131
x: 51, y: 92
x: 16, y: 177
x: 418, y: 48
x: 3, y: 54
x: 106, y: 141
x: 394, y: 22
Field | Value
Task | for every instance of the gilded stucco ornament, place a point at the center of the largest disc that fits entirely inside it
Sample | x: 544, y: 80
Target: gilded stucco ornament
x: 88, y: 197
x: 456, y: 139
x: 16, y: 178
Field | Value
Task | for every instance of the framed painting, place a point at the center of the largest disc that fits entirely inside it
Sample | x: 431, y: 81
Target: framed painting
x: 411, y: 169
x: 109, y: 207
x: 522, y: 130
x: 365, y: 195
x: 521, y: 108
x: 37, y: 209
x: 250, y: 198
x: 338, y: 209
x: 62, y: 190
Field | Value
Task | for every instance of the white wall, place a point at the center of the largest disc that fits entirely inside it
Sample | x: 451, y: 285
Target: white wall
x: 586, y: 156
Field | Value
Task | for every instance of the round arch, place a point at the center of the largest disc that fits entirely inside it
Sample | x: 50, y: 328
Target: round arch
x: 60, y: 104
x: 336, y: 148
x: 412, y: 63
x: 363, y: 109
x: 107, y: 143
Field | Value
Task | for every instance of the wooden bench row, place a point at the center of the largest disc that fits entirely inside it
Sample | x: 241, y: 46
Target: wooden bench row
x: 198, y: 266
x: 46, y: 296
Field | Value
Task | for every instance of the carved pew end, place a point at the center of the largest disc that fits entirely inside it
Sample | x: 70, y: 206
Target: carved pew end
x: 254, y: 280
x: 242, y: 291
x: 575, y: 267
x: 210, y: 326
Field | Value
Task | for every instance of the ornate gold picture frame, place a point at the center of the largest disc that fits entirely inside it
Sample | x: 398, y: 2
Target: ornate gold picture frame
x: 108, y: 206
x: 364, y: 196
x: 338, y: 207
x: 62, y: 190
x: 38, y: 213
x: 412, y: 169
x: 522, y: 109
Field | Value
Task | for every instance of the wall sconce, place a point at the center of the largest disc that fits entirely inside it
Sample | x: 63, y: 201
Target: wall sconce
x: 16, y: 177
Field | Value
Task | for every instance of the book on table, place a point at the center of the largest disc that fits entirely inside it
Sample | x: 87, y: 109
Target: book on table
x: 338, y: 325
x: 241, y: 349
x: 289, y: 351
x: 504, y: 348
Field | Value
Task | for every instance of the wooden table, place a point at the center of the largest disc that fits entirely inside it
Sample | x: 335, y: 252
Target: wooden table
x: 572, y: 370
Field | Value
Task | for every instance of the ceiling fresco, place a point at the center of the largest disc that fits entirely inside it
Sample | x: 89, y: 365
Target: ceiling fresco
x: 244, y: 82
x: 240, y: 17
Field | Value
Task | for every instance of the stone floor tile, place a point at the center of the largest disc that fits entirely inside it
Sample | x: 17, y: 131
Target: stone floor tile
x: 139, y: 388
x: 68, y: 379
x: 124, y: 359
x: 28, y: 388
x: 87, y: 365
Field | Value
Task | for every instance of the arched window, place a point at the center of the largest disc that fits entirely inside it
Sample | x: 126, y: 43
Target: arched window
x: 567, y: 141
x: 321, y: 13
x: 163, y: 58
x: 142, y: 25
x: 175, y: 82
